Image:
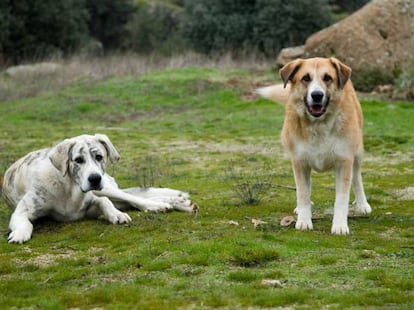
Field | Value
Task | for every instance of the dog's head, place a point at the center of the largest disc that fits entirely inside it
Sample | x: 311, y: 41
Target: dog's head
x: 316, y: 82
x: 84, y: 159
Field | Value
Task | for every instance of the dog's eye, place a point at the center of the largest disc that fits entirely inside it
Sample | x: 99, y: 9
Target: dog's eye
x: 306, y: 78
x: 327, y: 78
x: 79, y: 160
x: 99, y: 157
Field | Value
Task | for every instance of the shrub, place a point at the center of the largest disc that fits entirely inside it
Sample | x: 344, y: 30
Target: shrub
x: 155, y: 28
x: 37, y: 29
x: 34, y: 30
x: 366, y: 80
x: 249, y: 182
x: 108, y: 19
x: 262, y: 25
x: 349, y: 5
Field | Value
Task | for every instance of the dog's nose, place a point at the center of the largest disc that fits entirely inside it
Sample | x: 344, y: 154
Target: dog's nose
x: 317, y: 96
x: 95, y: 180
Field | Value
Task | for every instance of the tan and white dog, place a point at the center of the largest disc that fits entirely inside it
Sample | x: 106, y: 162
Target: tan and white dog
x: 322, y: 130
x: 69, y: 181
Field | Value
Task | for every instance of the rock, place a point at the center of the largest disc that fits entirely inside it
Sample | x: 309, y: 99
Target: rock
x: 384, y: 89
x: 287, y: 221
x: 289, y: 54
x: 379, y: 35
x: 42, y: 68
x: 272, y: 283
x: 92, y: 49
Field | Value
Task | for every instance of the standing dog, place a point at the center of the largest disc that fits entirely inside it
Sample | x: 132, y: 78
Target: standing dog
x: 68, y: 182
x: 322, y: 130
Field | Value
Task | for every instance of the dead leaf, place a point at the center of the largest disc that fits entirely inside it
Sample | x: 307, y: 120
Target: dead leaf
x: 233, y: 223
x: 287, y: 221
x: 272, y: 283
x: 258, y: 222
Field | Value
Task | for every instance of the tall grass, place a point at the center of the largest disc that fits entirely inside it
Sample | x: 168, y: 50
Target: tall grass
x: 34, y: 81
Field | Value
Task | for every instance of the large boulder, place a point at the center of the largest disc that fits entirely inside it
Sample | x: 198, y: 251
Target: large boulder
x: 379, y: 35
x: 289, y: 53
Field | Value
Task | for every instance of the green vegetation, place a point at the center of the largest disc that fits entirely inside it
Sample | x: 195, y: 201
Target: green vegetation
x: 367, y: 80
x: 187, y: 129
x: 37, y: 30
x: 264, y: 26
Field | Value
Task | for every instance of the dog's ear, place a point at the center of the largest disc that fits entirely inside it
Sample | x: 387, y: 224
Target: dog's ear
x: 343, y: 71
x: 59, y: 155
x: 113, y: 154
x: 288, y: 71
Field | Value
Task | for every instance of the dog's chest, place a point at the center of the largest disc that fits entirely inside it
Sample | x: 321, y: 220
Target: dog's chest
x: 73, y: 208
x: 322, y: 151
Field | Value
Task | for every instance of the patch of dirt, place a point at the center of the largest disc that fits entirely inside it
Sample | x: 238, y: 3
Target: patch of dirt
x: 44, y: 260
x: 247, y: 88
x: 272, y: 146
x: 405, y: 193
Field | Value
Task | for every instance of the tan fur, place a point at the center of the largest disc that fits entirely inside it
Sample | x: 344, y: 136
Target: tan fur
x: 322, y: 130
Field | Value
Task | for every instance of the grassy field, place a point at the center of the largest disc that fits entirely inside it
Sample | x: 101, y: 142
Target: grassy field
x: 198, y: 129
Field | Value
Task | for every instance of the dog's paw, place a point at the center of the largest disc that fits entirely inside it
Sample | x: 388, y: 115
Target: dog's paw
x: 158, y: 207
x: 340, y: 229
x: 184, y: 204
x: 304, y: 221
x: 118, y: 217
x: 304, y: 224
x: 363, y: 208
x: 19, y: 236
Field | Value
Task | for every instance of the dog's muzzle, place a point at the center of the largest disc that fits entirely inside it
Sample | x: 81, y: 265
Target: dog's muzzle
x: 318, y: 105
x: 95, y: 181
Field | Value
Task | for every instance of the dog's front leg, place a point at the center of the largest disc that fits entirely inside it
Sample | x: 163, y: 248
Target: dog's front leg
x: 20, y: 226
x: 343, y: 186
x: 302, y: 173
x: 143, y: 204
x: 110, y: 213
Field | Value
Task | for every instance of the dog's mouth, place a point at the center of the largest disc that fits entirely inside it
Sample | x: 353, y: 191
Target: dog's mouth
x: 316, y: 109
x: 91, y: 188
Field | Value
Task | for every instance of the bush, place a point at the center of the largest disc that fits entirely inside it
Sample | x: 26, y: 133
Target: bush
x: 366, y: 80
x: 262, y: 25
x: 36, y: 29
x: 349, y: 5
x: 155, y: 28
x: 108, y: 19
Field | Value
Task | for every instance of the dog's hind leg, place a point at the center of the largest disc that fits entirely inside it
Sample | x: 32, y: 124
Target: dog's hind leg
x: 179, y: 200
x: 361, y: 203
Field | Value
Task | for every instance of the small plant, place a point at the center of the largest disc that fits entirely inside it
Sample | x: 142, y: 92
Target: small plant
x: 152, y: 171
x: 253, y: 256
x: 367, y: 80
x: 249, y: 182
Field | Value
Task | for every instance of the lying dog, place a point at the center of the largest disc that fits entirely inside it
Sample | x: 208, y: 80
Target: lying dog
x: 68, y: 182
x: 322, y: 130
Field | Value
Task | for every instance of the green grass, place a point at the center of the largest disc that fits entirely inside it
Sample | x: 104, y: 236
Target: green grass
x: 190, y: 128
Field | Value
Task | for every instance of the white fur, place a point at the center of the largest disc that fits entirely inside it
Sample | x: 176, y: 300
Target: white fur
x: 68, y: 182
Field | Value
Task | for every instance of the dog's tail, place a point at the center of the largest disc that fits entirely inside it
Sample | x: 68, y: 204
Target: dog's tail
x: 277, y: 93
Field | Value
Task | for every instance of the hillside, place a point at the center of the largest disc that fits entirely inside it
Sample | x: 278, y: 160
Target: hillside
x: 193, y: 129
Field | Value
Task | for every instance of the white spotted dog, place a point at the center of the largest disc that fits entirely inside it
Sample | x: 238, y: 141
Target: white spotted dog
x: 68, y: 182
